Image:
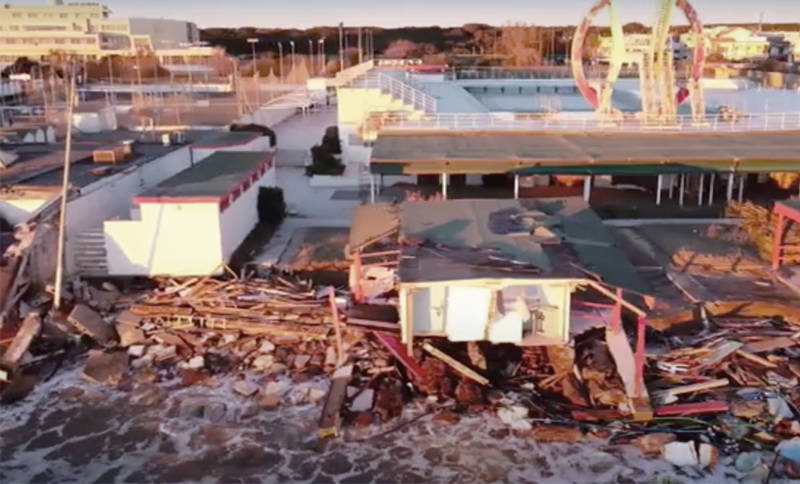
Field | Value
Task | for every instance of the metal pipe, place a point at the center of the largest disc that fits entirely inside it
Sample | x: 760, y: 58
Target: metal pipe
x: 681, y: 189
x: 742, y: 179
x: 729, y: 194
x: 444, y: 185
x: 711, y: 189
x: 516, y: 186
x: 62, y: 216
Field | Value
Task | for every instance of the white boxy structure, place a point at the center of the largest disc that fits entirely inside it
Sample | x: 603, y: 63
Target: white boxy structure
x: 192, y: 223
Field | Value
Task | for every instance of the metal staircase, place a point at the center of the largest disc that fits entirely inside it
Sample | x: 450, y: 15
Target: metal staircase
x: 89, y: 253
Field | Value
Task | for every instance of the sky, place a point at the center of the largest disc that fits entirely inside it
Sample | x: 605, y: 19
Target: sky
x: 401, y: 13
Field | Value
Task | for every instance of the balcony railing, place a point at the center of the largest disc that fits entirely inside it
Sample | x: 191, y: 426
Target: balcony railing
x: 559, y: 122
x: 411, y: 96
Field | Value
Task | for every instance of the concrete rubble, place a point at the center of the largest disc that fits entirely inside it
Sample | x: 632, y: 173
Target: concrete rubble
x: 731, y: 390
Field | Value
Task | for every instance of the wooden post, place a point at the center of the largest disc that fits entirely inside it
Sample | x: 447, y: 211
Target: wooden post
x: 356, y: 269
x: 776, y: 244
x: 335, y: 312
x: 639, y: 356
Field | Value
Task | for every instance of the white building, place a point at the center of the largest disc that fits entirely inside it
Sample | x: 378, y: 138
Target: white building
x: 103, y: 191
x: 731, y: 43
x: 191, y: 223
x: 635, y: 46
x: 88, y: 31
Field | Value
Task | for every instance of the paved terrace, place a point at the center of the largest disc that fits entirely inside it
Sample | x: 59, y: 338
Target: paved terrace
x: 430, y: 152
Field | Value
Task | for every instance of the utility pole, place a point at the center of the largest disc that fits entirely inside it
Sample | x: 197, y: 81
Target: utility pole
x: 360, y: 50
x: 312, y: 64
x: 341, y: 46
x: 62, y: 216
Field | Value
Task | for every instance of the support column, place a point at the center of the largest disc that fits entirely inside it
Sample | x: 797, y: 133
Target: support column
x: 445, y: 182
x: 371, y: 188
x: 671, y: 187
x: 742, y: 179
x: 700, y: 189
x: 516, y: 187
x: 659, y: 188
x: 711, y: 189
x: 587, y: 188
x: 681, y: 189
x: 639, y: 356
x: 729, y: 194
x: 777, y: 242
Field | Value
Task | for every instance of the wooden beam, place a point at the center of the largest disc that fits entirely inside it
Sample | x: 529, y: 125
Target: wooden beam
x: 632, y: 308
x: 22, y: 340
x: 463, y: 369
x: 331, y: 420
x: 692, y: 409
x: 336, y: 326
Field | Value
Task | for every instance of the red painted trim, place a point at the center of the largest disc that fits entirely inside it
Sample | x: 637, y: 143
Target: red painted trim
x: 691, y: 409
x: 139, y: 200
x: 787, y: 211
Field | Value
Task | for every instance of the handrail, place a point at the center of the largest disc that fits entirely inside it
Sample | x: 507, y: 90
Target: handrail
x: 555, y: 122
x: 402, y: 91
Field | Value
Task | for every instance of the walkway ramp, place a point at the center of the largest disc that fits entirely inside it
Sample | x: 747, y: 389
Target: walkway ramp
x: 452, y: 98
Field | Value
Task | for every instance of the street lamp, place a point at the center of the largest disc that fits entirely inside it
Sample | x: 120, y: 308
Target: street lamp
x: 253, y: 42
x: 280, y: 59
x: 322, y: 55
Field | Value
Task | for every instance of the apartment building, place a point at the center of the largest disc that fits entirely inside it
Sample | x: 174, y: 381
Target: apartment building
x: 732, y: 43
x: 88, y: 31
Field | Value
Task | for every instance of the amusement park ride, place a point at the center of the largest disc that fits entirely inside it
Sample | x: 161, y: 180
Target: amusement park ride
x: 660, y: 93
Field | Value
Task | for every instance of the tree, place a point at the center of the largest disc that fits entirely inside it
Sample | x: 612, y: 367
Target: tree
x: 400, y: 49
x: 520, y: 43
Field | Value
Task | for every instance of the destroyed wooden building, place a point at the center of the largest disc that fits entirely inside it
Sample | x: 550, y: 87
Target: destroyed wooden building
x: 527, y: 272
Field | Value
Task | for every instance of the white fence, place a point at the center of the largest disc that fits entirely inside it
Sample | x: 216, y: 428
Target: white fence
x: 556, y: 122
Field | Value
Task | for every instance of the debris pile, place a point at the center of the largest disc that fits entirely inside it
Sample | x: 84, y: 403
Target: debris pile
x: 758, y: 224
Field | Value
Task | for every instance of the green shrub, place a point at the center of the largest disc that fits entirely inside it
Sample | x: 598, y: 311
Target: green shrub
x: 271, y: 206
x: 323, y: 162
x: 331, y: 140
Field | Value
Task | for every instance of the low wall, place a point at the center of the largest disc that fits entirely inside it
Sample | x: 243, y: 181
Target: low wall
x: 331, y: 181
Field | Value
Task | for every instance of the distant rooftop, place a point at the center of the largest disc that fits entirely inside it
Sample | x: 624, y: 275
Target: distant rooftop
x: 414, y: 152
x: 210, y: 180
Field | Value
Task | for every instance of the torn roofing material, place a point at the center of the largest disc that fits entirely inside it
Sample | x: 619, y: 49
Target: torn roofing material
x: 371, y: 223
x: 534, y: 238
x: 214, y: 177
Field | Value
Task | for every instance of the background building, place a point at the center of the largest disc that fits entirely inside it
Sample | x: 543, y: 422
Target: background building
x: 86, y: 30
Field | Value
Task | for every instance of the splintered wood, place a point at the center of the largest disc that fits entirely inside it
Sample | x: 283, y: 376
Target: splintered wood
x: 275, y: 306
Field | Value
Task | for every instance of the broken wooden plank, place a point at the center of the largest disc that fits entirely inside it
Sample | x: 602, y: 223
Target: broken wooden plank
x: 127, y: 326
x: 463, y: 369
x: 331, y: 420
x: 692, y: 409
x: 398, y: 351
x: 335, y: 312
x: 631, y: 307
x: 696, y: 387
x: 722, y: 352
x: 756, y: 359
x: 88, y: 322
x: 22, y: 340
x: 770, y: 345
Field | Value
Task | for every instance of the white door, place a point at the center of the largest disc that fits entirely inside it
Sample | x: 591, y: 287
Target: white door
x: 467, y: 313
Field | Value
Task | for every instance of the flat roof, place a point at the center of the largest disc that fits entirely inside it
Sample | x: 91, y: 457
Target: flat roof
x: 556, y: 238
x: 416, y: 152
x: 212, y: 179
x: 224, y: 139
